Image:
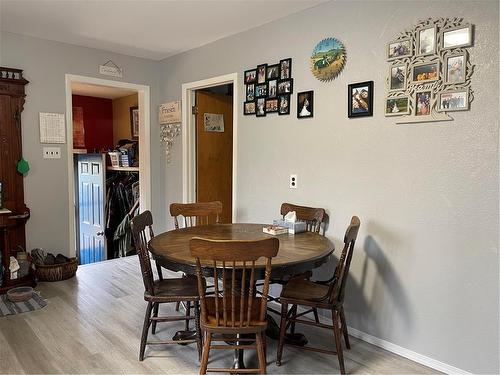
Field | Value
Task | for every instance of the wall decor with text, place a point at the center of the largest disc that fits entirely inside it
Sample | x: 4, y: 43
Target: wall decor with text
x: 328, y: 59
x: 268, y: 89
x: 430, y: 72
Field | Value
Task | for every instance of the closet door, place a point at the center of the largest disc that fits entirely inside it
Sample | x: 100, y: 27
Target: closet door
x: 91, y: 202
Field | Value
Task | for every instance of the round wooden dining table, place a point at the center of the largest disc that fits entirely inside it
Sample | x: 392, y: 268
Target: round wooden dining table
x: 297, y: 253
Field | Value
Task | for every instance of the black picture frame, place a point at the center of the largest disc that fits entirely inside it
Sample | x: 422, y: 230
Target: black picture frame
x: 272, y: 110
x: 254, y: 80
x: 247, y: 113
x: 260, y: 68
x: 258, y: 93
x: 275, y: 70
x: 282, y: 70
x: 355, y: 112
x: 285, y: 111
x: 257, y: 112
x: 250, y: 97
x: 283, y: 81
x: 271, y: 94
x: 308, y: 111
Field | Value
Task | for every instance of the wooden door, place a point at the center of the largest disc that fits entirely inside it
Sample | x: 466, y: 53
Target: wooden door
x: 214, y: 153
x: 91, y: 207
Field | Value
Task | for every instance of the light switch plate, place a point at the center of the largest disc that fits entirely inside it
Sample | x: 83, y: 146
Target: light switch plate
x: 293, y: 181
x: 52, y: 152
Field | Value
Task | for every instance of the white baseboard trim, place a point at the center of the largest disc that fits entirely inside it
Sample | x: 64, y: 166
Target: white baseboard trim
x: 396, y: 349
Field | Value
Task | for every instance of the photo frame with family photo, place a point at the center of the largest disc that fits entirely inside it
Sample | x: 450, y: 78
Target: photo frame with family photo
x: 286, y: 68
x: 360, y: 99
x: 457, y: 37
x: 425, y: 72
x: 249, y: 108
x: 273, y: 72
x: 397, y: 77
x: 261, y: 73
x: 426, y: 41
x: 399, y: 49
x: 453, y: 101
x: 397, y: 106
x: 423, y: 103
x: 305, y: 104
x: 285, y: 86
x: 260, y: 107
x: 284, y: 104
x: 455, y: 68
x: 250, y: 76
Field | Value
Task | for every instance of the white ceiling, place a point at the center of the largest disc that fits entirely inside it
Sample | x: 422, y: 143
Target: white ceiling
x: 142, y: 28
x: 98, y: 91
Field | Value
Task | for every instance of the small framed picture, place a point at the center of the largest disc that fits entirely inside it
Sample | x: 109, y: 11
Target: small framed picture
x: 425, y: 72
x: 271, y: 105
x: 260, y: 107
x: 397, y: 106
x: 286, y: 68
x: 273, y: 72
x: 272, y: 89
x: 399, y: 49
x: 285, y: 86
x: 261, y: 90
x: 455, y: 68
x: 453, y: 101
x: 423, y: 102
x: 397, y: 77
x: 360, y: 99
x: 250, y: 76
x: 261, y: 73
x: 426, y: 41
x: 250, y: 92
x: 457, y: 37
x: 284, y: 104
x: 249, y: 108
x: 305, y: 104
x: 134, y: 122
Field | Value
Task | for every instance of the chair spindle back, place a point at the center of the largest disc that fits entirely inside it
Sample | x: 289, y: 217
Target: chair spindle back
x: 313, y: 217
x: 141, y: 224
x: 194, y: 214
x: 234, y: 263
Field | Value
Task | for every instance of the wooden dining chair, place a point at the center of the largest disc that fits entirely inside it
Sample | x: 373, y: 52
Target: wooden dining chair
x: 321, y: 295
x: 315, y: 218
x: 162, y: 290
x: 235, y: 309
x: 191, y: 215
x: 194, y: 214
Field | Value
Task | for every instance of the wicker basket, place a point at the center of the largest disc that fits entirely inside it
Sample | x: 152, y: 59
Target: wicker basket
x: 57, y: 272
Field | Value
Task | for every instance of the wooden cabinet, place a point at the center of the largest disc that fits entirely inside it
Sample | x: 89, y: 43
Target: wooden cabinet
x: 13, y: 219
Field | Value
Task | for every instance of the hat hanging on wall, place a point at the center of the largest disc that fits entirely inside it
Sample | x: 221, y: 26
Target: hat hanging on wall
x: 328, y: 59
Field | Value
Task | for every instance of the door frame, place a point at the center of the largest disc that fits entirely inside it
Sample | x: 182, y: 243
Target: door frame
x: 144, y: 100
x: 189, y: 135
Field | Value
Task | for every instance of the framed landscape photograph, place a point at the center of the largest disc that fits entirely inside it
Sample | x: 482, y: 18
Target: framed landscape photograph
x: 426, y: 41
x: 397, y: 77
x: 423, y: 102
x: 305, y: 104
x: 286, y: 68
x: 457, y: 37
x: 284, y: 104
x: 271, y: 105
x: 399, y: 49
x: 261, y: 73
x: 250, y: 92
x: 425, y: 72
x: 134, y: 122
x: 455, y: 68
x: 273, y: 72
x: 250, y: 76
x: 260, y: 107
x: 360, y: 99
x: 453, y: 101
x: 285, y: 86
x: 249, y: 108
x: 397, y: 106
x: 261, y: 90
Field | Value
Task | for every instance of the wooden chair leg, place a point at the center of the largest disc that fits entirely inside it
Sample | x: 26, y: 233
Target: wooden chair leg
x: 155, y: 314
x: 344, y: 328
x: 315, y: 312
x: 338, y: 338
x: 158, y: 268
x: 264, y: 341
x: 204, y: 357
x: 284, y: 311
x: 188, y: 311
x: 260, y: 353
x: 294, y: 316
x: 199, y: 342
x: 145, y: 329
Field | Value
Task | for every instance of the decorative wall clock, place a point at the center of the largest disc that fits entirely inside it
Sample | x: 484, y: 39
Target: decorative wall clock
x: 328, y: 59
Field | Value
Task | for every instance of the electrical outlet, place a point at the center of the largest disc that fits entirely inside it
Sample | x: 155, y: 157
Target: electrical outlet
x: 293, y: 181
x: 52, y: 152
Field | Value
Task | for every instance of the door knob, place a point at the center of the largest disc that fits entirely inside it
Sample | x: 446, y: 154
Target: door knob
x: 100, y: 233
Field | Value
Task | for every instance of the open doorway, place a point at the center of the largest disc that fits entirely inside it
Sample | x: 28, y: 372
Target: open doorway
x: 209, y: 142
x: 109, y: 155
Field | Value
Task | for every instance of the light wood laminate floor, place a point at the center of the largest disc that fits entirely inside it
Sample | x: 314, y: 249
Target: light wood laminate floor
x: 92, y: 324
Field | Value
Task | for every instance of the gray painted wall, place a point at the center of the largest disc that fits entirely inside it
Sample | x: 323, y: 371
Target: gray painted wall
x: 45, y: 64
x: 425, y: 272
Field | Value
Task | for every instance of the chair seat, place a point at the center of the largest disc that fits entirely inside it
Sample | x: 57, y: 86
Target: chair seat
x: 173, y: 290
x: 211, y: 321
x: 304, y: 290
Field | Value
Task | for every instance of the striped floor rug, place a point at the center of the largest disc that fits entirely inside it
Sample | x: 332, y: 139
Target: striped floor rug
x: 10, y: 308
